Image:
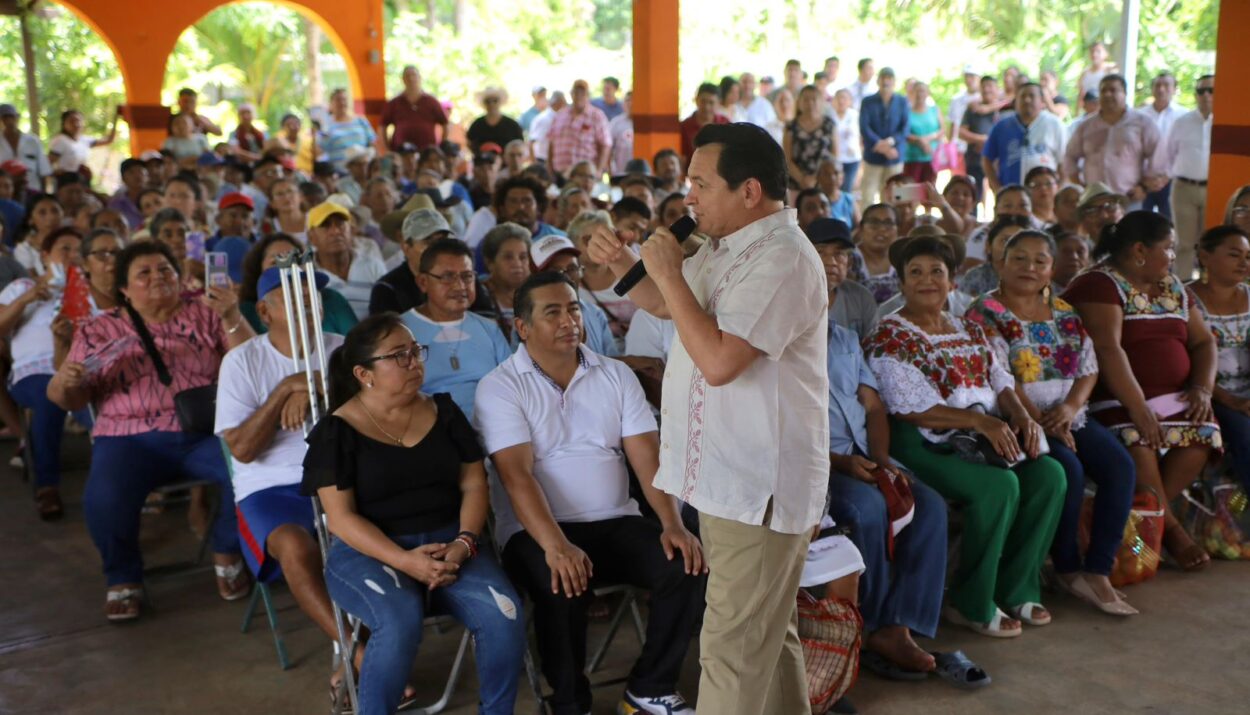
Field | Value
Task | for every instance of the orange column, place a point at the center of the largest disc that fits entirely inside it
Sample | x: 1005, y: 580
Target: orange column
x: 656, y: 45
x: 1230, y: 133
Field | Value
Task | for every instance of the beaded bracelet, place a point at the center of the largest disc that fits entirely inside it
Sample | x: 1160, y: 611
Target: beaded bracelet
x: 468, y: 544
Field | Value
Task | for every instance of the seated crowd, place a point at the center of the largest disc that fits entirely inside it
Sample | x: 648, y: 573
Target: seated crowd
x: 996, y: 366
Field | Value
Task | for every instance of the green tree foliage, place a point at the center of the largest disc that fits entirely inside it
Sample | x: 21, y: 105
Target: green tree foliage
x: 76, y: 70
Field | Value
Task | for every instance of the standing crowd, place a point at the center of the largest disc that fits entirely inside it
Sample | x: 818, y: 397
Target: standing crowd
x: 1090, y: 334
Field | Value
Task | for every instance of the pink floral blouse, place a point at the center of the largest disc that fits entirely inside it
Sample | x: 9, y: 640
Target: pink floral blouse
x: 128, y: 396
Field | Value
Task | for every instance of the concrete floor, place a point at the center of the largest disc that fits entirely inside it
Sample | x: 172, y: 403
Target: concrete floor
x: 1188, y: 653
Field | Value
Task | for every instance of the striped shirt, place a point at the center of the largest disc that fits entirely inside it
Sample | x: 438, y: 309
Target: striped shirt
x: 340, y: 136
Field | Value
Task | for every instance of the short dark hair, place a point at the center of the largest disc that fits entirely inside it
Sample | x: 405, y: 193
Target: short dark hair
x: 1144, y: 227
x: 832, y: 58
x: 1026, y: 85
x: 747, y: 152
x: 707, y: 88
x: 807, y: 194
x: 1203, y: 78
x: 1038, y: 171
x: 444, y: 247
x: 254, y: 259
x: 523, y: 300
x: 860, y: 65
x: 134, y: 252
x: 50, y: 240
x: 1117, y: 78
x: 314, y: 192
x: 188, y: 180
x: 521, y: 181
x: 880, y: 207
x: 97, y: 233
x: 131, y: 163
x: 663, y: 153
x: 988, y: 78
x: 913, y: 248
x: 188, y: 92
x: 616, y: 83
x: 630, y: 206
x: 675, y: 196
x: 727, y: 83
x: 164, y: 216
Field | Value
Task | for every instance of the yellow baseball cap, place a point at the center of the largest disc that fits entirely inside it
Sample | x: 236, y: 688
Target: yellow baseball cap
x: 324, y: 210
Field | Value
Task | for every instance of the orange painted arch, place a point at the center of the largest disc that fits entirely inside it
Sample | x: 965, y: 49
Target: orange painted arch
x: 142, y: 35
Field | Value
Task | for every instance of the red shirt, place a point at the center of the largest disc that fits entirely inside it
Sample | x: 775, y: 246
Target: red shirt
x: 691, y: 126
x: 414, y: 121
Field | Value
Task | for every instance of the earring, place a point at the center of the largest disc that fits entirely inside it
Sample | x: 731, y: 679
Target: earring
x: 1141, y: 262
x: 1046, y: 295
x: 371, y: 384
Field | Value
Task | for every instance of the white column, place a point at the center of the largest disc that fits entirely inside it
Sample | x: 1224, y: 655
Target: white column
x: 1130, y: 17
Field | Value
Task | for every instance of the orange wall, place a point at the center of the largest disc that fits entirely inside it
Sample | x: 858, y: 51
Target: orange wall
x: 656, y: 44
x: 142, y: 34
x: 1230, y: 133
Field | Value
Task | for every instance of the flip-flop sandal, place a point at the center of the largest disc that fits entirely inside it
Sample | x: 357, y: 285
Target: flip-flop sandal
x: 992, y: 629
x: 131, y: 598
x: 228, y: 576
x: 879, y: 665
x: 1024, y: 613
x: 958, y: 670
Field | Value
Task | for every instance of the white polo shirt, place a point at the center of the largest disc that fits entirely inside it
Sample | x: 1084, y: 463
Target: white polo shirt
x: 576, y: 435
x: 727, y: 450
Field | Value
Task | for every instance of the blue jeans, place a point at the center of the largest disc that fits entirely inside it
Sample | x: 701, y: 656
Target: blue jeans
x: 124, y: 470
x: 47, y: 426
x: 1236, y: 428
x: 850, y: 170
x: 1104, y: 459
x: 394, y: 605
x: 908, y: 590
x: 1160, y: 201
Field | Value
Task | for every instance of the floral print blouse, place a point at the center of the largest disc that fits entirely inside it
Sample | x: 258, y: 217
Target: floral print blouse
x: 883, y: 286
x: 1047, y: 357
x: 917, y: 371
x: 1232, y: 338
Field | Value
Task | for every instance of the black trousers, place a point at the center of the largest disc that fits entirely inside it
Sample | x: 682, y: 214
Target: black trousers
x: 625, y: 550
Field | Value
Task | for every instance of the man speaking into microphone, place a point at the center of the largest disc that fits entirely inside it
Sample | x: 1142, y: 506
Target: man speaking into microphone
x: 744, y: 419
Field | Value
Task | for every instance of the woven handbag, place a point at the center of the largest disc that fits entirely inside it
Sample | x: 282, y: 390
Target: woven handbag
x: 830, y: 630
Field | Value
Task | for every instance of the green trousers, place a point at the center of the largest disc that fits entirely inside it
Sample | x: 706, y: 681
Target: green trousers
x: 1009, y: 521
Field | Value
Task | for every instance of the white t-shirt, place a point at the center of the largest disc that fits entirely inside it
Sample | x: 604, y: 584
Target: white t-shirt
x: 850, y: 145
x: 249, y: 374
x: 71, y: 153
x: 576, y: 435
x: 31, y: 344
x: 482, y: 222
x: 649, y: 336
x: 366, y: 269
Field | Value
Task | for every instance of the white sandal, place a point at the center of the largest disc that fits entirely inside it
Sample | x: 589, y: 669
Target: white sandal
x: 1018, y: 613
x: 227, y: 575
x: 126, y: 595
x: 993, y: 629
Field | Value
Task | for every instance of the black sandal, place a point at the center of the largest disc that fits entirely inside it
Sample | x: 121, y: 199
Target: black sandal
x: 48, y: 503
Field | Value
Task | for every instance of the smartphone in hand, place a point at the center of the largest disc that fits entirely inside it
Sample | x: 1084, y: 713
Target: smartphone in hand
x: 217, y: 269
x: 910, y: 194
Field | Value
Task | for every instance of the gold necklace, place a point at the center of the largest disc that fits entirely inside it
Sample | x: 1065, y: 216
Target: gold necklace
x: 398, y: 440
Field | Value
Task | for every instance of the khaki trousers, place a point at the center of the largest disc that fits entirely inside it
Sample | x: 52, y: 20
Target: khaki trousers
x: 1189, y: 205
x: 749, y: 650
x: 874, y: 177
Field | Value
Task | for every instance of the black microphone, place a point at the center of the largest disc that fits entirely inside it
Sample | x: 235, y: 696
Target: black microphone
x: 681, y: 229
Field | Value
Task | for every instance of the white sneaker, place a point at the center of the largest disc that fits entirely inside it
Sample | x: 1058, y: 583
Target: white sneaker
x: 673, y: 704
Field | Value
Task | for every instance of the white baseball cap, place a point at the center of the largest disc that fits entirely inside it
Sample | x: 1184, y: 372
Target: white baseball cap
x: 546, y: 248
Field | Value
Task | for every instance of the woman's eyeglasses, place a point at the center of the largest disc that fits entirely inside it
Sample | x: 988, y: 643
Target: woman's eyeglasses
x: 403, y: 358
x: 105, y: 254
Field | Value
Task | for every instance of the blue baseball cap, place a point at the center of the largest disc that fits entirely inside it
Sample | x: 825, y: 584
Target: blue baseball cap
x: 270, y: 280
x: 209, y: 158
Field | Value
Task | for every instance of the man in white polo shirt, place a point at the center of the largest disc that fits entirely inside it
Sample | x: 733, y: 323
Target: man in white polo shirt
x: 559, y: 422
x: 745, y: 408
x: 262, y: 403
